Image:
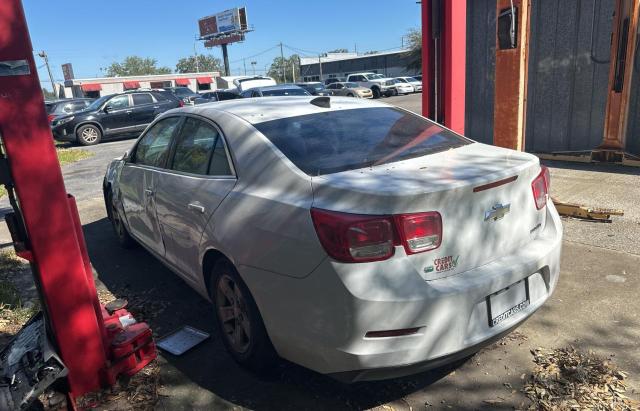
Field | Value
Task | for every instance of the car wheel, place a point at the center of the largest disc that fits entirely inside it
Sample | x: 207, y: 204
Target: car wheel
x: 395, y: 92
x: 88, y: 135
x: 350, y: 95
x: 376, y: 92
x: 239, y: 321
x: 123, y: 236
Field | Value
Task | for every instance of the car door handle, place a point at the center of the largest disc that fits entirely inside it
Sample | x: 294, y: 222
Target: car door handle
x: 128, y: 111
x: 148, y: 192
x: 156, y: 106
x: 196, y: 207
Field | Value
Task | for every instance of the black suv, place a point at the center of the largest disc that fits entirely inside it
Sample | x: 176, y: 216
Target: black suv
x: 114, y: 115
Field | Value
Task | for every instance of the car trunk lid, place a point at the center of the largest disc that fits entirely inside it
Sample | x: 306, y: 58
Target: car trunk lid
x: 483, y: 194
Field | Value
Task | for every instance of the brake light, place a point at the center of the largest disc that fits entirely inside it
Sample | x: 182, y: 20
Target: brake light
x: 180, y: 103
x: 354, y: 238
x: 50, y: 117
x: 420, y: 232
x: 540, y: 187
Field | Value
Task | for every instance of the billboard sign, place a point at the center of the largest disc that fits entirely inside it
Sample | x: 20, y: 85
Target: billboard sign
x: 219, y: 41
x: 228, y: 21
x: 67, y: 71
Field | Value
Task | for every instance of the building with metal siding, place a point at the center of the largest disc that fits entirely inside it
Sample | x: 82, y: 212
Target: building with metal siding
x: 569, y: 52
x: 339, y: 65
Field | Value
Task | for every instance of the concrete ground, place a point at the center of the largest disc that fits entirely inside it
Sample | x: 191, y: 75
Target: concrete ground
x: 595, y: 307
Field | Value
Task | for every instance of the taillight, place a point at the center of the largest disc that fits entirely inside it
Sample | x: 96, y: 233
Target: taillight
x: 354, y: 238
x: 420, y: 232
x: 540, y: 187
x: 180, y: 103
x: 50, y: 117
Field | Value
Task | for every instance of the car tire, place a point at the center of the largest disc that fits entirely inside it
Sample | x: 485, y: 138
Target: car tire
x: 238, y: 320
x: 88, y: 135
x: 122, y: 234
x: 376, y: 92
x: 350, y: 95
x: 395, y: 93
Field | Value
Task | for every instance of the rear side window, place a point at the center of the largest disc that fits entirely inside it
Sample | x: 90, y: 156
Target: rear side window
x: 334, y: 141
x: 140, y: 99
x: 153, y: 147
x: 194, y: 147
x: 285, y: 92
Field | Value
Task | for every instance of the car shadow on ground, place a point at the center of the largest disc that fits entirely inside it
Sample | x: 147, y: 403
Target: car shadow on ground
x: 159, y: 297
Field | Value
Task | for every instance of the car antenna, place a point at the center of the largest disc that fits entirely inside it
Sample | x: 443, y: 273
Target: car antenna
x: 322, y: 101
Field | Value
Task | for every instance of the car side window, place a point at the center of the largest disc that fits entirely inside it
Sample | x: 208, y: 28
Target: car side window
x: 219, y: 161
x: 339, y: 86
x: 119, y: 102
x: 153, y: 147
x: 141, y: 99
x: 255, y: 94
x: 194, y: 147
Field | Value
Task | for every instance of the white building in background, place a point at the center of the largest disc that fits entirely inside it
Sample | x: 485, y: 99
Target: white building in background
x: 97, y: 87
x: 340, y: 65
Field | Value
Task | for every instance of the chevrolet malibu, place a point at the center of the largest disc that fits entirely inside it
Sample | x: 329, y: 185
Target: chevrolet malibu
x: 349, y: 236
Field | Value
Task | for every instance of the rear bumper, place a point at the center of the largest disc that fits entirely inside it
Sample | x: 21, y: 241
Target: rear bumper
x: 322, y: 320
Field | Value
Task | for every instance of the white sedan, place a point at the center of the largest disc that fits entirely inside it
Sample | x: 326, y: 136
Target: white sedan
x: 417, y: 84
x: 349, y: 236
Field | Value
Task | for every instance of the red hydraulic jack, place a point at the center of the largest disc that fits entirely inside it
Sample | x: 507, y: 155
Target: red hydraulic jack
x: 75, y: 342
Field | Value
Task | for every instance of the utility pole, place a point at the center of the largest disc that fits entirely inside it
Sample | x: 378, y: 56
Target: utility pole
x: 46, y: 62
x: 195, y: 52
x: 225, y: 57
x: 293, y: 71
x: 320, y: 65
x: 284, y: 78
x: 253, y: 64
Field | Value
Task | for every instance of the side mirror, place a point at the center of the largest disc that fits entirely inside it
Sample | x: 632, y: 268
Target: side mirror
x: 126, y: 157
x: 107, y: 109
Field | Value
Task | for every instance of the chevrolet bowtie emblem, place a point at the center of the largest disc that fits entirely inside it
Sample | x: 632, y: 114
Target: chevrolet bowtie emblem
x: 497, y: 212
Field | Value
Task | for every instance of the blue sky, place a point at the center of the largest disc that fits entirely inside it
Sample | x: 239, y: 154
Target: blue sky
x: 93, y: 34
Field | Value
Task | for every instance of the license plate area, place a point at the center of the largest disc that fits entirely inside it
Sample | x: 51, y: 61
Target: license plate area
x: 507, y: 302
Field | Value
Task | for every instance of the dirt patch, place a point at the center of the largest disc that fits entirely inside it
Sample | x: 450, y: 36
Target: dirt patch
x: 567, y: 379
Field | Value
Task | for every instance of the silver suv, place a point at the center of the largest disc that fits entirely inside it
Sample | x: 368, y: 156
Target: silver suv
x: 378, y: 84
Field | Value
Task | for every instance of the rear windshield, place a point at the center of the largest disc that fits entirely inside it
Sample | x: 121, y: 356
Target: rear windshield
x: 334, y: 141
x: 285, y: 92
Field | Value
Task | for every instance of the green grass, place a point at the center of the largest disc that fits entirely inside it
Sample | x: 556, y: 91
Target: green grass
x: 13, y: 313
x: 65, y: 156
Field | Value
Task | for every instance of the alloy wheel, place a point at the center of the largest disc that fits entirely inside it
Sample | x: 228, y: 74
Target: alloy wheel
x: 90, y: 135
x: 233, y: 313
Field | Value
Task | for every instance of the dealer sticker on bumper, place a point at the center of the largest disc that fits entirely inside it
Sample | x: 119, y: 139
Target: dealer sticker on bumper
x: 508, y: 302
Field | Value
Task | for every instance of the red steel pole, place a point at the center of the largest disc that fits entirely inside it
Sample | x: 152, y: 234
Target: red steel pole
x: 69, y: 300
x: 444, y: 31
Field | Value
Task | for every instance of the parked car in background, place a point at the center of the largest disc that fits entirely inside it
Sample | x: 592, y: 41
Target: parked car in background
x: 273, y: 91
x: 418, y: 77
x: 358, y: 239
x: 332, y: 80
x: 401, y: 87
x: 349, y: 90
x: 379, y: 84
x: 314, y: 88
x: 114, y: 115
x: 245, y: 83
x: 217, y: 95
x: 185, y: 94
x: 56, y: 108
x: 417, y: 84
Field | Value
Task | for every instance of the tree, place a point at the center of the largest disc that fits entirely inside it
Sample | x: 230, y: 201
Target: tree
x: 275, y: 70
x: 338, y: 51
x: 205, y: 63
x: 414, y: 55
x: 370, y: 52
x: 49, y: 95
x: 136, y: 66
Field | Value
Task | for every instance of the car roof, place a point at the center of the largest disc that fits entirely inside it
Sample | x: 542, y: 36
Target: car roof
x: 259, y: 110
x: 276, y: 87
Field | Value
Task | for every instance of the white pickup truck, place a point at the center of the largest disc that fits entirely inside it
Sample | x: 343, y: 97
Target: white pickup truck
x: 378, y: 84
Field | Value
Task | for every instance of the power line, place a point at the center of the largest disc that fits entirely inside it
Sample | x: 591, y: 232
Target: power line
x: 256, y: 55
